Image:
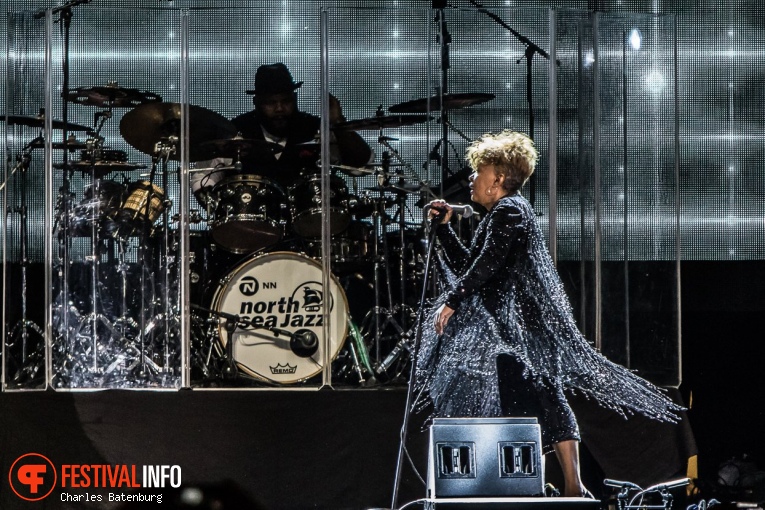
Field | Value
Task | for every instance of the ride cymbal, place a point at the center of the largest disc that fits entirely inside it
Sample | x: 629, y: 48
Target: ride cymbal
x: 148, y: 124
x: 381, y: 122
x: 451, y: 102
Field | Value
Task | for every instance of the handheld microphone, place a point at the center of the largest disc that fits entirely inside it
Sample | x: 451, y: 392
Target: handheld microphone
x: 465, y: 210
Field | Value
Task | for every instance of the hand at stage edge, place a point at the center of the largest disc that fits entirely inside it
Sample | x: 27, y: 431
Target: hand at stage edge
x: 442, y: 318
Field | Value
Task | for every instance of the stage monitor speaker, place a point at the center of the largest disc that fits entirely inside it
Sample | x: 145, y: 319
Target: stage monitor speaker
x: 513, y: 504
x: 487, y: 457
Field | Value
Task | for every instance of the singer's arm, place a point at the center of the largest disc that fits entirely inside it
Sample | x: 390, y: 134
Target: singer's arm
x: 455, y: 253
x: 503, y: 232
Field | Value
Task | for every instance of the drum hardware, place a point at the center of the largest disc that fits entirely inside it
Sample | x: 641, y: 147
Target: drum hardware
x: 149, y: 123
x: 230, y: 323
x: 433, y: 103
x: 32, y: 357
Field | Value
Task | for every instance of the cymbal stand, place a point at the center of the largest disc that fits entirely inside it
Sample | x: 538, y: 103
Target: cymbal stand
x: 424, y: 185
x: 21, y: 330
x: 164, y: 149
x: 381, y: 256
x: 65, y: 13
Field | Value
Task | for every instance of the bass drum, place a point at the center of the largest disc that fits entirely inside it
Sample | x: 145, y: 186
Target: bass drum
x: 276, y: 294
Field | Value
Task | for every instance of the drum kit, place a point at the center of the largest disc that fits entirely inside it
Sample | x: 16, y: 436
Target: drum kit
x: 255, y: 281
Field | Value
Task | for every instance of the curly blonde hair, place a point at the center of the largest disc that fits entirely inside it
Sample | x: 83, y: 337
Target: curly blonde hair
x: 512, y: 153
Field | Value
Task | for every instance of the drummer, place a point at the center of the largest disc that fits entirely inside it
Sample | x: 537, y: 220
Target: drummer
x: 277, y: 119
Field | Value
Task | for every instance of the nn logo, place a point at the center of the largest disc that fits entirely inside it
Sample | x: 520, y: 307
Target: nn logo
x: 248, y: 286
x: 32, y: 477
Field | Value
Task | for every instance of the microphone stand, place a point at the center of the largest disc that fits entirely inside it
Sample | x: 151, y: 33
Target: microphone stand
x: 531, y: 50
x: 415, y: 349
x: 444, y: 38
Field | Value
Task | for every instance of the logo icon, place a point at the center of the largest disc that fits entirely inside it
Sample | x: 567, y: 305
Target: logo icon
x: 283, y: 369
x: 32, y: 477
x: 248, y: 286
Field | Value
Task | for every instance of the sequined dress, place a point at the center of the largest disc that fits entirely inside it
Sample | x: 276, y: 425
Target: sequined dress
x: 510, y: 300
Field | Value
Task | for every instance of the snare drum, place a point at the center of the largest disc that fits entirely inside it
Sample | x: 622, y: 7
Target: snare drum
x: 305, y: 206
x: 281, y: 290
x: 139, y: 211
x: 249, y: 213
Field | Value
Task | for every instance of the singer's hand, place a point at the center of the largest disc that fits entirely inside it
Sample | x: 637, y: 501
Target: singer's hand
x: 440, y: 208
x: 442, y: 318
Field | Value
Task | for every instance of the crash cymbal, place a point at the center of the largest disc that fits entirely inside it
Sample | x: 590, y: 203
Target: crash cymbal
x: 238, y: 146
x: 381, y: 122
x: 111, y: 95
x: 150, y: 123
x: 451, y: 102
x: 370, y: 169
x: 38, y: 121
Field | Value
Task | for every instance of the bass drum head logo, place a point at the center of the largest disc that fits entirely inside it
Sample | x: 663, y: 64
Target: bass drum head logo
x: 280, y: 336
x: 32, y: 477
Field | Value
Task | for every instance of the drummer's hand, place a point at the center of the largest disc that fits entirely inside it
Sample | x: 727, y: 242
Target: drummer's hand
x: 335, y: 111
x: 442, y: 318
x: 440, y: 207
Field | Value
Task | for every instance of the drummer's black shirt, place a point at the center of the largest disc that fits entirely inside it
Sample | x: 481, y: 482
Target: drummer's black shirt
x: 294, y: 160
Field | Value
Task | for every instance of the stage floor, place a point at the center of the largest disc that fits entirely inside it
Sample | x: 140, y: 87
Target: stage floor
x: 328, y: 449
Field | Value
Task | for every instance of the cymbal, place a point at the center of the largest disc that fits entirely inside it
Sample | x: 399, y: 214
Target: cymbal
x: 101, y: 167
x: 451, y: 102
x: 38, y: 121
x: 381, y: 122
x: 238, y: 146
x: 71, y: 144
x: 150, y: 123
x: 369, y: 169
x: 397, y: 188
x: 111, y: 95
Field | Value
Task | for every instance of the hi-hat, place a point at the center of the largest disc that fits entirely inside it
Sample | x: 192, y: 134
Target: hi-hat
x: 451, y: 102
x: 111, y: 95
x: 38, y: 121
x: 148, y: 124
x: 381, y: 122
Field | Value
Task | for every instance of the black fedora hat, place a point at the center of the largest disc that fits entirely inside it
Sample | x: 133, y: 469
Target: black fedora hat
x: 274, y: 79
